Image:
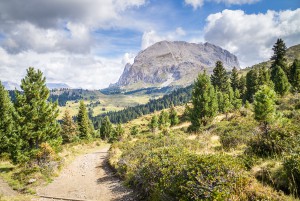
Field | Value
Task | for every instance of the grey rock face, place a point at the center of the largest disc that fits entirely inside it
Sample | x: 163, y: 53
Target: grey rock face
x: 173, y: 63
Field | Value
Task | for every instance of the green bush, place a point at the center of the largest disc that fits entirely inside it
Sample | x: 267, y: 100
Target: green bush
x: 291, y: 166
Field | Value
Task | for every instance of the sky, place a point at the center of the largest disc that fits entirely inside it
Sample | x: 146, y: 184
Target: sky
x: 86, y: 43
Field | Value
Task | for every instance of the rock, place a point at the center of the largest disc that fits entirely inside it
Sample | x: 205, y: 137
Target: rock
x: 173, y: 64
x: 31, y: 181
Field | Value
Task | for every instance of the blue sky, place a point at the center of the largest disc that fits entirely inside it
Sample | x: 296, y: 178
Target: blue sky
x: 87, y: 43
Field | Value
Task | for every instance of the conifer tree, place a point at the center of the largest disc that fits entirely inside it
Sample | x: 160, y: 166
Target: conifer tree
x: 68, y: 128
x: 7, y: 123
x: 106, y: 129
x: 234, y: 78
x: 281, y: 83
x: 164, y: 119
x: 295, y: 75
x: 237, y: 101
x: 119, y: 131
x: 265, y: 77
x: 220, y: 99
x: 83, y: 122
x: 279, y: 59
x: 242, y: 88
x: 173, y: 116
x: 252, y: 84
x: 219, y: 78
x: 37, y: 117
x: 204, y: 102
x: 227, y: 106
x: 153, y: 124
x: 134, y: 130
x: 264, y: 107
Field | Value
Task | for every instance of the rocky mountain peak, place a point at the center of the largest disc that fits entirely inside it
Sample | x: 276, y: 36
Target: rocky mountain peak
x: 169, y: 63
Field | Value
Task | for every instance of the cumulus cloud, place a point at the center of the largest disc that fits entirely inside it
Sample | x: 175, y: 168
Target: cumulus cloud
x: 76, y: 70
x: 251, y: 36
x: 199, y: 3
x: 151, y: 37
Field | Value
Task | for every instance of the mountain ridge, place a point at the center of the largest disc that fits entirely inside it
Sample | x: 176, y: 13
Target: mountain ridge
x: 173, y: 63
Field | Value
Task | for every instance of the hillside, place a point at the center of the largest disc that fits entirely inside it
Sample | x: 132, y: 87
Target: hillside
x: 172, y: 64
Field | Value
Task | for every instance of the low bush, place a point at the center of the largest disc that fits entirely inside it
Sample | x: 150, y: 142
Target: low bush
x: 291, y: 166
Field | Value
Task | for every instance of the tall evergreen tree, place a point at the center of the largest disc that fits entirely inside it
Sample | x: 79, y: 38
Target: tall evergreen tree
x: 295, y: 75
x: 278, y: 58
x: 106, y: 129
x: 281, y: 83
x: 7, y: 123
x: 227, y: 105
x: 252, y: 84
x: 153, y: 124
x: 234, y: 78
x: 264, y: 107
x: 68, y: 128
x: 37, y: 116
x: 264, y: 77
x: 242, y: 88
x: 204, y: 102
x: 173, y: 116
x: 83, y: 122
x: 219, y: 78
x: 164, y: 119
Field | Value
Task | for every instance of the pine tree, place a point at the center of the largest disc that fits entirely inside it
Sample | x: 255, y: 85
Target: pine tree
x: 164, y: 119
x: 119, y: 131
x: 134, y: 130
x: 237, y: 101
x: 220, y: 99
x: 219, y: 78
x: 252, y: 84
x: 106, y: 129
x: 153, y: 124
x: 204, y: 102
x: 227, y: 106
x: 37, y: 117
x: 242, y: 88
x: 173, y: 116
x: 264, y: 77
x: 7, y: 123
x: 83, y: 122
x: 295, y: 75
x: 234, y: 78
x: 279, y: 58
x: 264, y: 107
x: 68, y: 128
x: 281, y: 83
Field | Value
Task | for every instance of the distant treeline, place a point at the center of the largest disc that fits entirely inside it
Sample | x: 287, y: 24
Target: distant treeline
x: 62, y: 98
x: 177, y: 97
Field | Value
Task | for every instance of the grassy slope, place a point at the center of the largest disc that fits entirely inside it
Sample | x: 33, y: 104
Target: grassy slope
x: 209, y: 142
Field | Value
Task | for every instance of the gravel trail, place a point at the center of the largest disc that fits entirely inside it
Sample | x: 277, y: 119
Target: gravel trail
x: 88, y: 177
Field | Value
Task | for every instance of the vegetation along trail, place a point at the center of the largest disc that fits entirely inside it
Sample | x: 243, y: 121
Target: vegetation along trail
x: 87, y: 178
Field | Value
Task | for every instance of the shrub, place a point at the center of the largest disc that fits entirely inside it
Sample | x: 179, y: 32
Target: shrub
x: 291, y: 166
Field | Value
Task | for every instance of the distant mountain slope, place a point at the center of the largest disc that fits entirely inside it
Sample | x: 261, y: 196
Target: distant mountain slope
x: 173, y: 64
x: 57, y: 86
x: 11, y: 85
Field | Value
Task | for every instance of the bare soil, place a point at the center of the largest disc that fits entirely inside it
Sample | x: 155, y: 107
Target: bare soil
x: 6, y: 190
x: 88, y: 177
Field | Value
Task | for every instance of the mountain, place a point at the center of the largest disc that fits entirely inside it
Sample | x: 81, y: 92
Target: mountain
x: 11, y: 85
x: 57, y: 86
x: 172, y: 64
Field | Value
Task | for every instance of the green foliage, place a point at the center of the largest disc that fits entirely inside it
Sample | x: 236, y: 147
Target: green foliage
x: 281, y: 83
x: 252, y: 84
x: 174, y: 120
x: 295, y: 75
x: 7, y: 124
x: 219, y: 78
x: 234, y: 79
x: 164, y: 119
x: 204, y: 102
x: 83, y: 122
x: 153, y: 124
x: 242, y: 88
x: 106, y: 129
x: 278, y: 58
x: 37, y: 117
x: 68, y: 128
x: 291, y: 166
x: 134, y: 130
x: 264, y: 105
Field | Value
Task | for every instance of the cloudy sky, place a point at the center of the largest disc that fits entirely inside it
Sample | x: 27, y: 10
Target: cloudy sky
x: 86, y: 43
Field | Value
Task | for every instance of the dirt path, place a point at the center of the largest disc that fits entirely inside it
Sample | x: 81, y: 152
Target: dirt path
x: 87, y: 178
x: 5, y: 189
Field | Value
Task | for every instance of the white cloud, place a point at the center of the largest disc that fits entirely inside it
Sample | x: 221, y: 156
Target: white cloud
x: 128, y: 58
x: 251, y: 36
x: 199, y: 3
x: 76, y: 70
x: 151, y: 37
